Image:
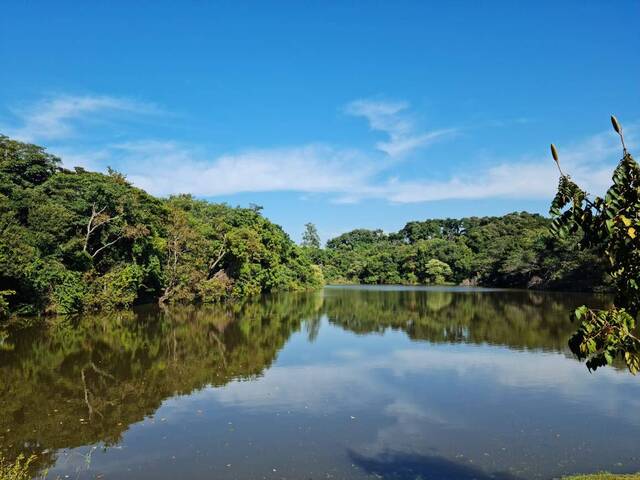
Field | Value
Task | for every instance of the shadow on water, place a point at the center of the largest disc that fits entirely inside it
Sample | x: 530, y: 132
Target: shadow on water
x: 412, y: 466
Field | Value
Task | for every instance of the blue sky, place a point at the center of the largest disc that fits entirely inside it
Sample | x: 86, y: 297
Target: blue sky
x: 345, y: 114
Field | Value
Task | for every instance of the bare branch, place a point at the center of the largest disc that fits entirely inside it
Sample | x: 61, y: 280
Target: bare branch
x: 221, y: 253
x: 94, y: 223
x: 105, y: 246
x: 101, y: 372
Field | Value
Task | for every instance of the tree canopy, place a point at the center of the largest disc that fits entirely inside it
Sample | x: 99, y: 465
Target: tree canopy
x: 515, y: 250
x: 73, y: 240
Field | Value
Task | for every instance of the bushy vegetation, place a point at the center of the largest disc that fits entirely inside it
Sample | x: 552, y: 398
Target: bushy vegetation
x: 611, y: 227
x: 74, y: 241
x: 515, y: 250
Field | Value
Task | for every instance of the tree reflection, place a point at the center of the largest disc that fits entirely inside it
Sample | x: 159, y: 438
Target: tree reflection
x: 86, y: 380
x: 516, y: 319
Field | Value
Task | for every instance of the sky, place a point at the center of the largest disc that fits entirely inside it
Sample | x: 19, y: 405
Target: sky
x: 349, y: 114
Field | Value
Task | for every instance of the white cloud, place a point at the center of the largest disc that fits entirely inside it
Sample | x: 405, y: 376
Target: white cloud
x: 387, y: 117
x: 327, y: 387
x: 168, y: 168
x: 589, y: 162
x: 55, y: 118
x: 348, y: 175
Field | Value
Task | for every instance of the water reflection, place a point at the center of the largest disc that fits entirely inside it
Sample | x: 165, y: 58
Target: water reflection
x: 85, y: 380
x: 411, y: 466
x: 289, y: 387
x: 517, y: 319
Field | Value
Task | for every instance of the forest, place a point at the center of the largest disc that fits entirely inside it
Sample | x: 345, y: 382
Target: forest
x: 78, y: 241
x: 516, y: 250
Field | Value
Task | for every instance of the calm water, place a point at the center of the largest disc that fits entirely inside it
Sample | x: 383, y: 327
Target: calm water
x: 348, y: 383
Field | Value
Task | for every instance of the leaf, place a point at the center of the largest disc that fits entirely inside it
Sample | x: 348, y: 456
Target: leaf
x: 632, y: 232
x: 581, y: 312
x: 608, y: 357
x: 609, y: 224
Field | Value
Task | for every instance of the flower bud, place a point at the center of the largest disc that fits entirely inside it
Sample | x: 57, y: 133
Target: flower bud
x: 616, y: 125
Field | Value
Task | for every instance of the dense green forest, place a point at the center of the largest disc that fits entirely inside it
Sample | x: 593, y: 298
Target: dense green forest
x: 514, y: 250
x: 73, y: 240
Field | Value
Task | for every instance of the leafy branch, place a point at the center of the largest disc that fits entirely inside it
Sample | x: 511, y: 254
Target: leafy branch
x: 610, y: 225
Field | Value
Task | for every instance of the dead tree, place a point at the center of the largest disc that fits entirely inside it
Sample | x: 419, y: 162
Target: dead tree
x: 98, y: 219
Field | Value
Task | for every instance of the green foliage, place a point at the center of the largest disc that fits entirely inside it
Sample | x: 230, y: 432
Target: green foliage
x: 4, y: 304
x: 19, y: 469
x: 515, y: 250
x: 609, y: 225
x: 118, y: 288
x: 24, y: 165
x: 435, y: 272
x: 69, y: 291
x: 77, y: 240
x: 213, y: 252
x: 310, y: 237
x: 604, y: 334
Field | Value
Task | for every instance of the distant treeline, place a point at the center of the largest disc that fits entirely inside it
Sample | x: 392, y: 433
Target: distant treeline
x: 515, y: 250
x: 73, y: 241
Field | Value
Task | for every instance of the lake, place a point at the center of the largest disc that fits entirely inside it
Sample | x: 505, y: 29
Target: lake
x: 345, y: 383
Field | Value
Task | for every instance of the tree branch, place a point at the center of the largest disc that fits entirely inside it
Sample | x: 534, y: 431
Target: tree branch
x: 105, y: 246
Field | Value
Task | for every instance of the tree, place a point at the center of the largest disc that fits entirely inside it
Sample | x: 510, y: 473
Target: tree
x: 74, y: 240
x: 24, y: 164
x: 454, y: 253
x: 435, y: 272
x: 612, y: 226
x: 310, y: 237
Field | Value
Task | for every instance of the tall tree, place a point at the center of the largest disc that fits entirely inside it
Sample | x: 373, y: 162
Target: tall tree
x: 310, y: 237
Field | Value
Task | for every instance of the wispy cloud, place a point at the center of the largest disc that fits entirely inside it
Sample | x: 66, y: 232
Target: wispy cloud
x: 389, y: 117
x: 169, y: 168
x: 589, y: 162
x: 351, y: 175
x: 347, y: 175
x: 56, y: 117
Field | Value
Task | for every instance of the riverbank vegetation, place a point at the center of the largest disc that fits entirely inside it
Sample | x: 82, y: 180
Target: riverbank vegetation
x: 515, y: 250
x: 73, y: 241
x: 78, y: 241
